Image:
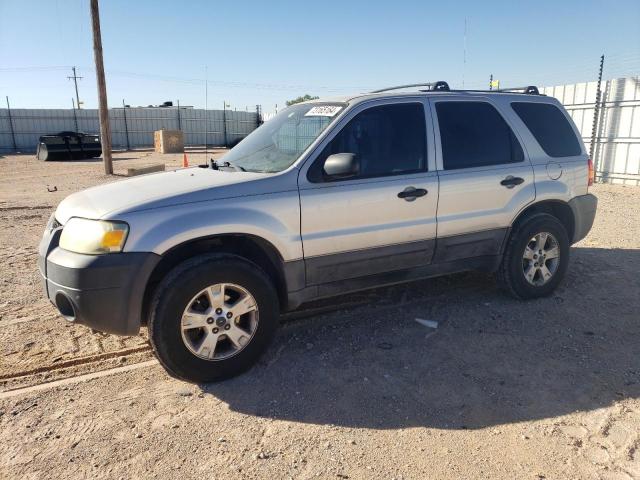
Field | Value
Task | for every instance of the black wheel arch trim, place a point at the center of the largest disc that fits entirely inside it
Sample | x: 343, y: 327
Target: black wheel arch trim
x: 286, y: 275
x: 558, y: 208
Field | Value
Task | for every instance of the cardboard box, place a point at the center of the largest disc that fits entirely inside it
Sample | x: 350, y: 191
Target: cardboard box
x: 168, y: 141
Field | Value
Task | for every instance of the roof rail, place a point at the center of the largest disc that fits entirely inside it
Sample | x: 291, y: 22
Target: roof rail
x: 433, y: 86
x: 530, y: 89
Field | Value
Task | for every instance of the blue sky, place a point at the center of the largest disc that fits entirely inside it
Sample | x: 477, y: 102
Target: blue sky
x: 265, y: 52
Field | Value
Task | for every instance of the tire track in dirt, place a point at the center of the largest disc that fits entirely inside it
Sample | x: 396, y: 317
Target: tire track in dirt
x: 75, y: 362
x: 75, y: 379
x: 86, y: 366
x: 26, y: 207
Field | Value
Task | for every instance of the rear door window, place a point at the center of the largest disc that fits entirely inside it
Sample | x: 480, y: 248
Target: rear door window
x: 474, y: 134
x: 550, y: 128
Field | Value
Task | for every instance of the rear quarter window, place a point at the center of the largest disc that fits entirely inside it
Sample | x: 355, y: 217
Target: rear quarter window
x: 550, y: 128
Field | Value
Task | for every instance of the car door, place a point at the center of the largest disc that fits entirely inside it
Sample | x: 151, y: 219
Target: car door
x: 485, y: 174
x: 383, y: 218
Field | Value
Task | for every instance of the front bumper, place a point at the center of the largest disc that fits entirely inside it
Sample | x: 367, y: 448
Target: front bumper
x: 104, y: 292
x: 584, y: 212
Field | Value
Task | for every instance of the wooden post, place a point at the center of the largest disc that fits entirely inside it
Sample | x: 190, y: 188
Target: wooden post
x: 105, y: 129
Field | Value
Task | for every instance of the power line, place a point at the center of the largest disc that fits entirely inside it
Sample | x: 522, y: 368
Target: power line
x: 196, y: 81
x: 34, y: 68
x: 265, y: 86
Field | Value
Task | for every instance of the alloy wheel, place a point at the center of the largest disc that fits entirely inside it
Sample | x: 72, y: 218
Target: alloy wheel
x: 541, y: 258
x: 219, y: 321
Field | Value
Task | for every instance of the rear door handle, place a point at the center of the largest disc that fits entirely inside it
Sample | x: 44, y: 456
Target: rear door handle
x: 511, y: 181
x: 411, y: 193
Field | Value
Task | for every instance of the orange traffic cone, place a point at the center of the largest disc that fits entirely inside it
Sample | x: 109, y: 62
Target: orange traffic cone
x: 185, y: 160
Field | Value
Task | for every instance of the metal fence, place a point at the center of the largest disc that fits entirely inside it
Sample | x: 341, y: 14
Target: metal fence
x: 616, y: 153
x: 130, y: 127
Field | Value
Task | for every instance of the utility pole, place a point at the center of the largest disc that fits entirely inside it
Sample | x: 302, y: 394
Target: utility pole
x: 105, y: 129
x: 75, y: 81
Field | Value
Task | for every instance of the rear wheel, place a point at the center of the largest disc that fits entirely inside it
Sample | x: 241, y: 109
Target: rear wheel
x: 212, y: 317
x: 536, y: 257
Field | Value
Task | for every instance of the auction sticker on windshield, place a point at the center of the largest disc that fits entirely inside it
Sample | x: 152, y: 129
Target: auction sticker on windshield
x: 323, y: 111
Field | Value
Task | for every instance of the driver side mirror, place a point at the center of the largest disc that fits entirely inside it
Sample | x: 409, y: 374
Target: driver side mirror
x: 341, y: 165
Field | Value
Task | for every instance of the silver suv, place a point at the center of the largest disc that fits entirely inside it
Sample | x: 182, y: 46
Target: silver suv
x: 327, y: 197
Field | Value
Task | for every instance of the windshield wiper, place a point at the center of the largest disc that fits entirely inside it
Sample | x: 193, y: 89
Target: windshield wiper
x: 215, y: 165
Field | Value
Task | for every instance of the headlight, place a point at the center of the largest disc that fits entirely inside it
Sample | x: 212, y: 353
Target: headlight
x: 93, y: 236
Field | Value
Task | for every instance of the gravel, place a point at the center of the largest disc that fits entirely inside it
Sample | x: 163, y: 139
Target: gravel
x: 502, y: 389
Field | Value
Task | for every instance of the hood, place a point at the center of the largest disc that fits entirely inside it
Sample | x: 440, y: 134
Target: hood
x: 155, y: 191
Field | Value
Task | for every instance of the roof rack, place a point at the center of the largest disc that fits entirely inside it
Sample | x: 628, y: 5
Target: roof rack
x: 439, y: 86
x: 442, y: 86
x: 530, y: 89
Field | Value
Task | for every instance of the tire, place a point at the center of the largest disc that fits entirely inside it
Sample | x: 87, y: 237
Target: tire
x: 511, y: 273
x: 174, y: 346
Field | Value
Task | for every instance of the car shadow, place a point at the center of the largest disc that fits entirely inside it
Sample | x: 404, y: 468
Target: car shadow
x: 491, y: 360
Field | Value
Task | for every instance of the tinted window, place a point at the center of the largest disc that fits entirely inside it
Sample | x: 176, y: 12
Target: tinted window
x: 474, y: 134
x: 387, y: 140
x: 550, y: 128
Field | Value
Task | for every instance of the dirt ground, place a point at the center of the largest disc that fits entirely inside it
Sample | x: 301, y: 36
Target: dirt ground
x: 351, y: 388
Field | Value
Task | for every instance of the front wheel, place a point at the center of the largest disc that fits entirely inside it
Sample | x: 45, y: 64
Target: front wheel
x: 212, y: 317
x: 536, y: 257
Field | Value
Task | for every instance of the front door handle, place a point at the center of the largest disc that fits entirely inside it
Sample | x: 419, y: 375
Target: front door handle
x: 511, y: 181
x: 411, y: 193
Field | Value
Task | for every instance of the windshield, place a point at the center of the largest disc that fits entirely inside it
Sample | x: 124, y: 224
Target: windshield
x: 278, y: 143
